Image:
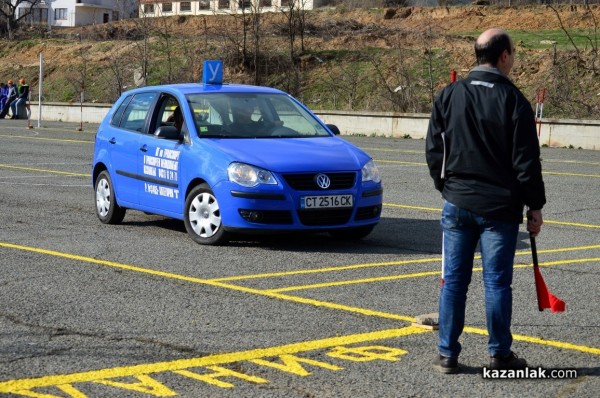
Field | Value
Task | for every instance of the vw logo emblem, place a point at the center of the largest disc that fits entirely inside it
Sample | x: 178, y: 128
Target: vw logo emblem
x: 322, y: 181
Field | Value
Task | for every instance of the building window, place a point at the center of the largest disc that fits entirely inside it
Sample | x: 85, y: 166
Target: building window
x: 185, y: 6
x: 244, y: 4
x: 223, y: 4
x: 167, y: 7
x: 204, y: 4
x: 266, y: 3
x: 148, y: 8
x: 60, y: 14
x: 33, y: 16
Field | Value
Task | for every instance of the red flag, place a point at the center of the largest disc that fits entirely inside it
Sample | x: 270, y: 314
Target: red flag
x: 544, y: 297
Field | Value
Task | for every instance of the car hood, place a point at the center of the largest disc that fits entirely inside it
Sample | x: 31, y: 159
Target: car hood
x: 295, y: 154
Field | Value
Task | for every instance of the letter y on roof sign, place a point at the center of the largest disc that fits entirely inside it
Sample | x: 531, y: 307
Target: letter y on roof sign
x: 212, y: 72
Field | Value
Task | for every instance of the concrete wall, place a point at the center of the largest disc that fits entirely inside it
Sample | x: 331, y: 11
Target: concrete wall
x: 554, y: 132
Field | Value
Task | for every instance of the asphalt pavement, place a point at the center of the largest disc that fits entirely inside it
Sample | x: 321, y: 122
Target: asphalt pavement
x: 140, y: 310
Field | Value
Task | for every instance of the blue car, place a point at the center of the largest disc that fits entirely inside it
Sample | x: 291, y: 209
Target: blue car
x: 229, y: 159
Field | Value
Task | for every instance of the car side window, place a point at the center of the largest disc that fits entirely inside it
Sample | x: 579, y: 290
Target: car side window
x: 116, y: 119
x: 134, y: 116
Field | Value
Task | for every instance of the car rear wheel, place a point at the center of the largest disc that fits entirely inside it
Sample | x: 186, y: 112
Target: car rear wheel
x: 107, y: 208
x: 352, y: 233
x: 203, y: 217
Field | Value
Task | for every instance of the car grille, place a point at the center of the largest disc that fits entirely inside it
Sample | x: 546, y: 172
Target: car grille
x: 306, y: 181
x: 324, y: 216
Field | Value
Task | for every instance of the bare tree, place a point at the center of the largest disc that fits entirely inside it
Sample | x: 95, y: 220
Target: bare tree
x: 13, y: 11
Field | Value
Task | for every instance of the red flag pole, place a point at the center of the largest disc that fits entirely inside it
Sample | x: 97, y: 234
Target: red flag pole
x: 545, y: 299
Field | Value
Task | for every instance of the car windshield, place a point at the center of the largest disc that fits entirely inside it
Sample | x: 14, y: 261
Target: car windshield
x: 252, y: 115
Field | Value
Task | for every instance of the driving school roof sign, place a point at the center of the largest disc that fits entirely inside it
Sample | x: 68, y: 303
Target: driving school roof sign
x: 212, y: 72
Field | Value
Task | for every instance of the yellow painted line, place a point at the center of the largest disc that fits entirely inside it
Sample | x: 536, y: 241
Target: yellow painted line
x: 557, y: 173
x: 396, y: 150
x: 46, y: 139
x: 209, y: 282
x: 572, y: 224
x: 439, y: 210
x: 423, y: 153
x: 327, y: 269
x: 541, y: 341
x: 7, y: 166
x: 412, y: 276
x: 216, y: 359
x: 381, y: 264
x: 413, y: 207
x: 400, y: 162
x: 316, y: 303
x: 570, y: 162
x: 355, y: 281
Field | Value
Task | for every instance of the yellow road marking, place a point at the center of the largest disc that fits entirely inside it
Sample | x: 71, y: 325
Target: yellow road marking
x: 46, y: 139
x: 544, y: 172
x: 438, y: 210
x: 401, y: 162
x: 541, y: 341
x: 396, y: 150
x: 570, y: 162
x: 216, y: 359
x: 7, y: 166
x: 413, y: 275
x: 382, y: 264
x: 327, y: 269
x: 413, y: 207
x: 423, y: 153
x: 202, y: 281
x: 557, y: 173
x: 302, y: 300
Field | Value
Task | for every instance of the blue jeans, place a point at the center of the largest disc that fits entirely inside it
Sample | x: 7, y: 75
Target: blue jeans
x: 498, y: 242
x: 14, y: 106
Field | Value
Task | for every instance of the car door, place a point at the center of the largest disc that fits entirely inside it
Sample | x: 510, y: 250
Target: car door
x: 158, y: 161
x: 126, y: 128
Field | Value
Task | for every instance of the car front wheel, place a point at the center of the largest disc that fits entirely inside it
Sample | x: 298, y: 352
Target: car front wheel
x: 107, y: 209
x: 203, y: 217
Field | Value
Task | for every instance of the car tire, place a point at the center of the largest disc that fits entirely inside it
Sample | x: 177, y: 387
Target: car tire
x: 202, y: 217
x: 352, y: 233
x: 107, y: 208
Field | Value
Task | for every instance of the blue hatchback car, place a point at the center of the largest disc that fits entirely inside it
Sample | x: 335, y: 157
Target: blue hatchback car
x: 230, y: 159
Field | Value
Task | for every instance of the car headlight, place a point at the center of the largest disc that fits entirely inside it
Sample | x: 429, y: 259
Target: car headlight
x: 249, y: 176
x: 370, y: 172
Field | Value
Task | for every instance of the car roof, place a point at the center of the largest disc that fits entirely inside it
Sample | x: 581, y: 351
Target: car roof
x: 197, y: 88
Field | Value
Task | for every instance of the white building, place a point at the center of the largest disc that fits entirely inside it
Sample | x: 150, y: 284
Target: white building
x: 77, y: 12
x: 159, y: 8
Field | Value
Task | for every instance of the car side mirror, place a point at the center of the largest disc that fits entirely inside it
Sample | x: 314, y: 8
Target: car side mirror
x: 167, y: 132
x: 334, y: 129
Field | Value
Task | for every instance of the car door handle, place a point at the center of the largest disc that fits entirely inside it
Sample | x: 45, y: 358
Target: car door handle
x: 112, y: 140
x: 144, y: 148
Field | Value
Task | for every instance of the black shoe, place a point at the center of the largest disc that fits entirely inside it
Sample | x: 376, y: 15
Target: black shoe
x: 13, y: 117
x: 446, y: 365
x: 511, y: 361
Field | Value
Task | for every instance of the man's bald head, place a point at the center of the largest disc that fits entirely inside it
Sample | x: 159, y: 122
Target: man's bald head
x: 490, y: 45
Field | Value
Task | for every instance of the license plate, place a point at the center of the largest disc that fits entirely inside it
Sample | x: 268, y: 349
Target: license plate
x: 326, y: 201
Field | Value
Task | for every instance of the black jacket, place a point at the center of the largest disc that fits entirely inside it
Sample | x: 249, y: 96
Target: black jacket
x: 492, y: 162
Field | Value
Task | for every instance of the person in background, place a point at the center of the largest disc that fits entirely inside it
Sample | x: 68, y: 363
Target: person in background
x: 21, y: 100
x: 3, y: 96
x: 11, y: 95
x: 484, y: 157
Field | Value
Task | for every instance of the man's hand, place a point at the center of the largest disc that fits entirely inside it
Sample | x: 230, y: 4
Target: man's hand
x: 534, y: 222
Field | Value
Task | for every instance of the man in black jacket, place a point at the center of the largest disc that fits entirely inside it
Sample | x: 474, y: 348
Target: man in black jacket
x: 483, y: 155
